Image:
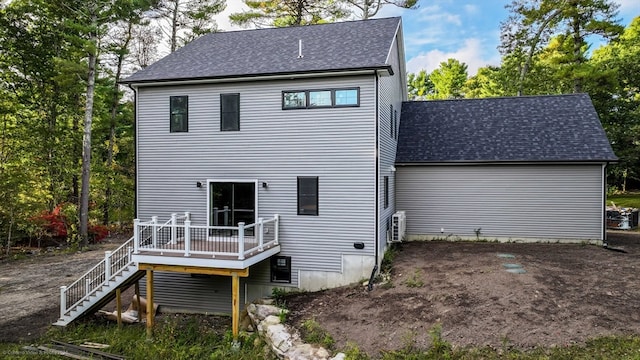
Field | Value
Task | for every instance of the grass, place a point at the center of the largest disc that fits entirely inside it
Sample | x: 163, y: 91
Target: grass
x: 415, y: 279
x: 312, y: 333
x: 184, y: 337
x: 628, y: 199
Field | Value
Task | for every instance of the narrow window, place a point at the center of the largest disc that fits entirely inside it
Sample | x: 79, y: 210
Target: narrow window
x: 308, y: 195
x: 386, y: 192
x: 229, y: 112
x: 320, y: 98
x: 294, y: 99
x: 391, y: 118
x: 395, y: 122
x: 347, y: 97
x: 179, y: 114
x: 281, y: 269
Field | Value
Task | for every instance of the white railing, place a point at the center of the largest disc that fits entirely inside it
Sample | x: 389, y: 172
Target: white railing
x: 112, y: 265
x: 173, y: 237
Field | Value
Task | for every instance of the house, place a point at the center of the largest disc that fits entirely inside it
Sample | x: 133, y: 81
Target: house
x: 276, y: 158
x: 520, y: 168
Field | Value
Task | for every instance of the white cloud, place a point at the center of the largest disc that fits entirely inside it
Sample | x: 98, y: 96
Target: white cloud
x: 471, y: 54
x: 471, y: 9
x: 629, y: 6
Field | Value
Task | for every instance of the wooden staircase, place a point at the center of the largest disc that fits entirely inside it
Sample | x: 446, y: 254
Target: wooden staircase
x: 98, y: 286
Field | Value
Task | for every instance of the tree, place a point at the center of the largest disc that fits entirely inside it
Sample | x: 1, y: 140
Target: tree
x: 419, y: 85
x: 448, y: 80
x: 283, y: 13
x: 616, y: 96
x: 533, y: 23
x: 188, y: 19
x: 369, y: 8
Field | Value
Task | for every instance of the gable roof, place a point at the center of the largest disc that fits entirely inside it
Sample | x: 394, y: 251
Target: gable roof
x: 560, y: 128
x: 341, y: 46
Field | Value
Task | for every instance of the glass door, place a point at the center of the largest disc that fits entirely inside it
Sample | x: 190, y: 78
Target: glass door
x: 232, y: 203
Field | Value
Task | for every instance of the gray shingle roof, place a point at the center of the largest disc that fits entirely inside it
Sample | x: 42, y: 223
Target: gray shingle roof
x: 514, y: 129
x: 338, y: 46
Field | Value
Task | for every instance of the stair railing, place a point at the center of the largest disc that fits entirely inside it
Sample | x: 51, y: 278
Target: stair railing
x: 113, y: 264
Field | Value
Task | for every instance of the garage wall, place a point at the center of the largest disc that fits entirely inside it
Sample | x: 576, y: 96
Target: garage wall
x: 504, y: 201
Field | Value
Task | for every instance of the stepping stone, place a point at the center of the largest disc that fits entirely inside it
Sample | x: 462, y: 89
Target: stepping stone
x: 506, y: 256
x: 512, y: 266
x: 517, y: 271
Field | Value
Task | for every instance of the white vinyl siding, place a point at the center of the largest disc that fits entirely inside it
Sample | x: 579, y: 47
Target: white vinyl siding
x: 274, y: 146
x: 505, y: 201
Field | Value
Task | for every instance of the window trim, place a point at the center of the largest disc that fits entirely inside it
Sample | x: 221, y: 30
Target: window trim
x: 186, y: 115
x: 237, y: 111
x: 333, y: 98
x: 273, y: 265
x: 317, y: 195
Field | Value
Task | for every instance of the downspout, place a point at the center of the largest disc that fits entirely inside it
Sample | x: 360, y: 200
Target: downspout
x: 376, y: 201
x: 604, y: 205
x: 135, y: 151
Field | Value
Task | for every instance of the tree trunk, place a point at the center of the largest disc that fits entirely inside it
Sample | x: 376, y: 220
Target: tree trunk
x: 86, y: 139
x: 174, y: 26
x: 577, y: 53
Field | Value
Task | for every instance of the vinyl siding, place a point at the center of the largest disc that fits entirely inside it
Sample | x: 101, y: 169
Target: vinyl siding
x: 506, y: 201
x: 274, y: 146
x: 391, y: 92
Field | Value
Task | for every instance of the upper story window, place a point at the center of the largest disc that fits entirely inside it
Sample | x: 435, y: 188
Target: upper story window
x: 294, y: 99
x: 229, y: 112
x: 179, y: 113
x: 320, y: 98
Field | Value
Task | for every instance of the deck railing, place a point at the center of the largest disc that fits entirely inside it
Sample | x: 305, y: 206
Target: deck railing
x: 113, y: 264
x: 179, y: 237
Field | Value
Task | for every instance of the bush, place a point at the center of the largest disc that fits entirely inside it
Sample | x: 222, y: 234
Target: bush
x: 56, y: 226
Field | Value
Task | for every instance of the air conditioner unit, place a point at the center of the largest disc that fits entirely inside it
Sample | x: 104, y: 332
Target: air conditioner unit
x: 398, y: 227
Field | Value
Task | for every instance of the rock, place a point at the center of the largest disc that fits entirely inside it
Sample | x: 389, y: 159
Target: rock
x: 339, y: 356
x: 279, y: 338
x: 306, y: 352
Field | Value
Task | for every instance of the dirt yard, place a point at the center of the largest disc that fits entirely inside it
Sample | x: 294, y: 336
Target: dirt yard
x: 566, y: 294
x: 30, y: 288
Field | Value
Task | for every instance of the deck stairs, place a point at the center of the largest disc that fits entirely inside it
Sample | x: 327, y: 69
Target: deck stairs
x: 98, y: 286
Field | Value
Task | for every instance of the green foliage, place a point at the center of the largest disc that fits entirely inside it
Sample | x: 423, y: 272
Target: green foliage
x: 353, y: 352
x: 288, y: 13
x: 415, y: 280
x: 311, y: 332
x: 419, y: 85
x: 448, y: 80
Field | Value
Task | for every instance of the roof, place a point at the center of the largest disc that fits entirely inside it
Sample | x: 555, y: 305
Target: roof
x: 341, y: 46
x: 557, y: 128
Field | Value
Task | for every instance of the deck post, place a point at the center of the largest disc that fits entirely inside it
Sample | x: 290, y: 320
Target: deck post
x: 149, y: 303
x: 63, y: 300
x: 260, y: 233
x: 241, y: 241
x: 119, y: 307
x: 137, y: 291
x: 235, y: 305
x: 107, y: 266
x: 226, y: 216
x: 187, y: 238
x: 154, y: 235
x: 174, y: 229
x: 187, y: 215
x: 136, y: 236
x: 276, y: 228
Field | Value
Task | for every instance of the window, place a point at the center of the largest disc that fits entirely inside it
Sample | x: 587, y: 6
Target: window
x: 281, y: 269
x: 391, y: 118
x: 347, y: 97
x: 229, y: 112
x: 179, y: 114
x: 386, y: 192
x: 294, y: 99
x: 319, y: 98
x: 395, y: 123
x: 305, y: 99
x: 308, y: 195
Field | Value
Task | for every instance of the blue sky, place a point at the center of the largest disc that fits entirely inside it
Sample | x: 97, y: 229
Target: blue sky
x: 440, y: 29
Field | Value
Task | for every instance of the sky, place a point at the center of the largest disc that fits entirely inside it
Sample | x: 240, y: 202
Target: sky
x: 468, y: 31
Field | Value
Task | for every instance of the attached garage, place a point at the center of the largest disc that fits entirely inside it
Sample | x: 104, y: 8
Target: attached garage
x: 525, y: 168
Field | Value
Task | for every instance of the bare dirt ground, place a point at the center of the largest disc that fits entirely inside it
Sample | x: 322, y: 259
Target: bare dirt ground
x: 30, y: 288
x: 569, y: 293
